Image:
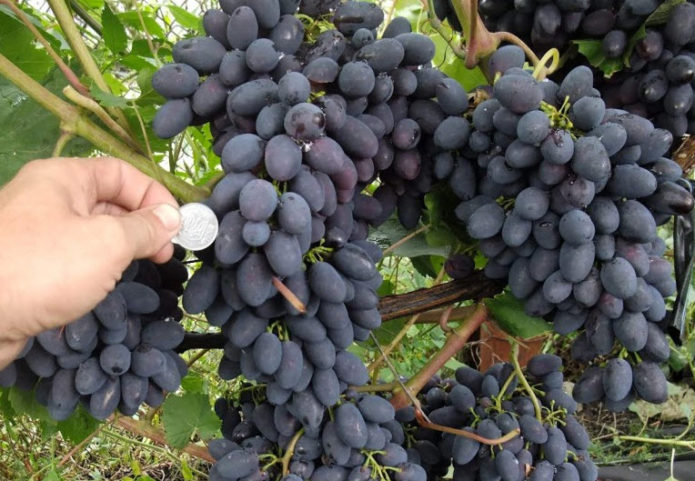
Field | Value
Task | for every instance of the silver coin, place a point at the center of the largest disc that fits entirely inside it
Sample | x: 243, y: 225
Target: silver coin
x: 198, y: 227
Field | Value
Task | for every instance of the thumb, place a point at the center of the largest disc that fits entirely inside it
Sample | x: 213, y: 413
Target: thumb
x: 150, y: 229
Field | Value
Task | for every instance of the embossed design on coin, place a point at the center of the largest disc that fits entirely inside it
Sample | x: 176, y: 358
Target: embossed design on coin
x: 198, y: 227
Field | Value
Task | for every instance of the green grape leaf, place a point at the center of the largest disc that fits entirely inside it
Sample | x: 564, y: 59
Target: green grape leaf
x: 114, y: 33
x: 27, y: 130
x: 187, y: 415
x: 78, y: 426
x: 18, y: 45
x: 192, y: 382
x: 5, y: 406
x: 593, y: 51
x: 509, y: 313
x: 662, y: 13
x: 392, y: 231
x: 185, y: 18
x: 107, y: 99
x: 133, y: 20
x: 24, y: 402
x: 657, y: 17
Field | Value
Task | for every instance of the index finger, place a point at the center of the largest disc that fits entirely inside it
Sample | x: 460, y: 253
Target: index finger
x: 117, y: 182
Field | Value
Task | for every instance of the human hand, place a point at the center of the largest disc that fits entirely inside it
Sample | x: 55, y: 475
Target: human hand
x: 68, y: 229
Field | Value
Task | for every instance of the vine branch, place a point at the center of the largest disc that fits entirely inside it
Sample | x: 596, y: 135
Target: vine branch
x: 74, y: 122
x: 453, y: 344
x: 475, y: 286
x: 524, y: 381
x: 287, y: 457
x: 420, y: 417
x: 74, y: 38
x: 87, y: 103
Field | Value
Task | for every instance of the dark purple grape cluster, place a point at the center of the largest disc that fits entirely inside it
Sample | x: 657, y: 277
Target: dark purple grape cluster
x: 326, y: 116
x: 658, y: 83
x: 302, y: 127
x: 117, y: 356
x: 551, y: 444
x: 564, y: 196
x: 542, y: 25
x: 653, y: 51
x: 618, y: 383
x: 360, y: 440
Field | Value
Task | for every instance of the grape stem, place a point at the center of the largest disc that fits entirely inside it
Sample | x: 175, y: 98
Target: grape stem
x: 386, y: 387
x: 442, y: 31
x: 87, y: 103
x: 668, y: 442
x: 74, y: 37
x: 479, y: 42
x: 476, y: 286
x: 522, y: 379
x: 62, y: 141
x: 405, y: 239
x: 420, y: 417
x: 74, y: 122
x: 287, y: 457
x: 542, y: 69
x: 454, y: 343
x: 396, y: 341
x: 84, y: 15
x: 289, y: 295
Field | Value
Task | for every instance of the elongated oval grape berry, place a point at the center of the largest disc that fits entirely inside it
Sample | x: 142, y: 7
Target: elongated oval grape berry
x: 238, y: 464
x: 242, y: 28
x: 617, y: 379
x: 254, y: 279
x: 518, y: 93
x: 631, y: 330
x: 590, y: 159
x: 589, y: 387
x: 305, y: 121
x: 350, y: 369
x: 202, y: 53
x: 147, y: 361
x: 351, y: 427
x: 201, y: 290
x: 175, y: 80
x: 164, y: 334
x: 618, y: 278
x: 383, y: 55
x: 555, y: 448
x: 172, y: 118
x: 283, y: 253
x: 649, y: 382
x: 451, y: 95
x: 243, y: 152
x: 267, y: 353
x: 89, y: 377
x: 289, y: 372
x: 105, y: 401
x: 326, y: 282
x: 486, y: 221
x: 576, y: 261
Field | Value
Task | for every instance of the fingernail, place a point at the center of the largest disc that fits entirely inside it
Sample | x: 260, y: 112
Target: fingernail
x: 169, y: 215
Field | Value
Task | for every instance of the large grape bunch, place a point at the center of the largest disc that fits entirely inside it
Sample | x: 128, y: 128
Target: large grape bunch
x: 117, y: 356
x: 658, y: 84
x: 328, y: 114
x: 564, y: 196
x: 301, y: 129
x: 551, y: 444
x: 646, y: 45
x: 360, y: 440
